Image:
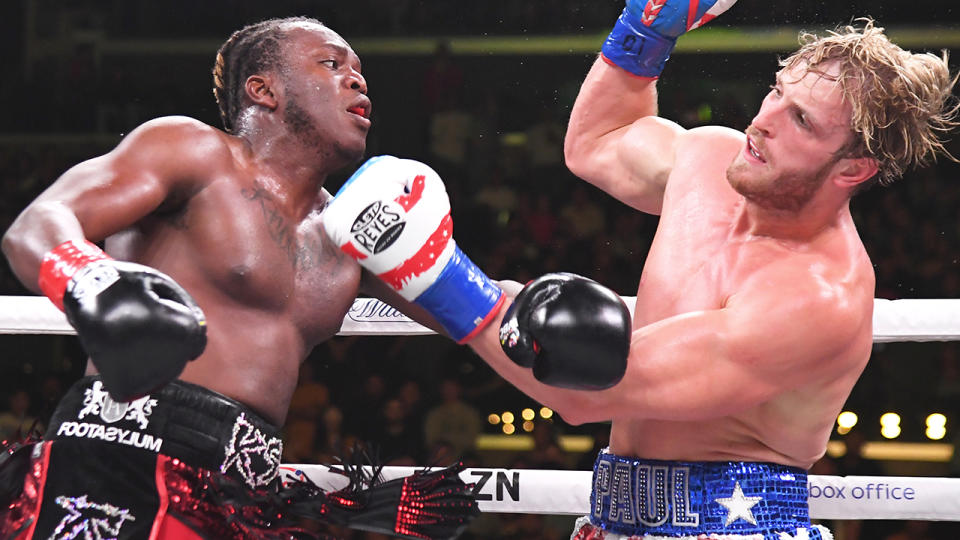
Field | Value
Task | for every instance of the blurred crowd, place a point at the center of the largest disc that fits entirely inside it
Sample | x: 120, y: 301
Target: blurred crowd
x: 517, y: 212
x: 143, y: 18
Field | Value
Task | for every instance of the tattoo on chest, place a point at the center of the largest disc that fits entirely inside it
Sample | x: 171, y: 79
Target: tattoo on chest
x: 304, y: 254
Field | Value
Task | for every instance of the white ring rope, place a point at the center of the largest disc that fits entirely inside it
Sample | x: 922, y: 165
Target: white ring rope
x: 567, y: 492
x: 935, y: 319
x: 534, y: 491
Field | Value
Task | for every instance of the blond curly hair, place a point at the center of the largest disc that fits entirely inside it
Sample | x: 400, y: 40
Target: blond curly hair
x: 902, y: 102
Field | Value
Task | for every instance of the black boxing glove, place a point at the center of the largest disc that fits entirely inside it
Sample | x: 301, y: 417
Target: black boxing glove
x: 138, y: 325
x: 573, y: 332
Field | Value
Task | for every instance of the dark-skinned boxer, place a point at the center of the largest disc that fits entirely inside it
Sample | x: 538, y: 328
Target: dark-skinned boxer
x: 213, y: 283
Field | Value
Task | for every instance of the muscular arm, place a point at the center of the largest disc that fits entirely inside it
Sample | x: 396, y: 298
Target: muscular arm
x: 106, y: 194
x: 712, y: 363
x: 616, y: 142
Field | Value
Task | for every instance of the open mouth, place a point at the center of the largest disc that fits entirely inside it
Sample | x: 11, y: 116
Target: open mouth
x: 359, y: 111
x: 754, y: 150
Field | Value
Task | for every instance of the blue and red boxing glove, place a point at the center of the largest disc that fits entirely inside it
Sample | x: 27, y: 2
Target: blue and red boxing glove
x: 646, y: 32
x: 393, y: 216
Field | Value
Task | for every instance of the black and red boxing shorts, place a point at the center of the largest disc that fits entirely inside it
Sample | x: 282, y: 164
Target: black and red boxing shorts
x: 141, y: 469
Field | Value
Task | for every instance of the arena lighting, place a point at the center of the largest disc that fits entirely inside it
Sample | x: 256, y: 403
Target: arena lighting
x: 847, y: 419
x: 845, y: 422
x: 936, y: 426
x: 493, y: 418
x: 932, y: 452
x: 528, y: 426
x: 528, y: 414
x: 521, y: 442
x: 509, y: 429
x: 890, y: 425
x: 507, y: 417
x: 546, y: 413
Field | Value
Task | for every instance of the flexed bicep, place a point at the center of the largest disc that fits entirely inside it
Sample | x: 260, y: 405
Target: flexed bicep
x: 106, y: 194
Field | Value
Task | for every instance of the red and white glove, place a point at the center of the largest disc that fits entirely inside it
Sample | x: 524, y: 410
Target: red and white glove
x: 393, y: 217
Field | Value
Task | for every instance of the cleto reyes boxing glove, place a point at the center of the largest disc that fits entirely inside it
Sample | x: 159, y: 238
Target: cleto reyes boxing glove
x: 138, y: 325
x: 393, y: 216
x: 573, y: 332
x: 646, y: 32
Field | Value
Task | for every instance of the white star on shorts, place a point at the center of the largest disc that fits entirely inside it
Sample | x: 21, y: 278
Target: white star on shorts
x: 739, y: 506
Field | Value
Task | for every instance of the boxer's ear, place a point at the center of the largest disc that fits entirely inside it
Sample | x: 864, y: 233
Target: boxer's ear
x: 852, y: 172
x: 260, y: 90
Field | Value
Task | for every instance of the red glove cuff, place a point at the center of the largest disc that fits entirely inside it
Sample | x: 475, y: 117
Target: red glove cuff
x: 62, y: 262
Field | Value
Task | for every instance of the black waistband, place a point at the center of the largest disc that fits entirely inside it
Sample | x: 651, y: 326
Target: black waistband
x: 184, y: 421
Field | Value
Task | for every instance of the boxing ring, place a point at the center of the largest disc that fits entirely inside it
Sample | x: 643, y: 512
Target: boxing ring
x: 535, y: 491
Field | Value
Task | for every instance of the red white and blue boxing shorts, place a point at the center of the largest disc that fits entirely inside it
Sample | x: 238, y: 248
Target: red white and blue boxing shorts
x: 678, y: 500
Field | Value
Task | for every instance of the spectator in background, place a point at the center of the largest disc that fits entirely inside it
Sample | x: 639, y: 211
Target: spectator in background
x: 16, y: 421
x: 545, y: 147
x: 498, y: 197
x: 453, y: 420
x: 82, y: 77
x: 547, y: 453
x: 582, y: 215
x: 395, y: 437
x: 540, y: 221
x: 333, y: 441
x: 442, y: 79
x: 310, y: 399
x: 360, y: 408
x: 451, y: 136
x: 912, y: 530
x: 411, y: 398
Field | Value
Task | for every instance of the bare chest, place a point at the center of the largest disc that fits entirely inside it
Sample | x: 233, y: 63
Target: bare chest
x: 240, y: 247
x: 691, y: 265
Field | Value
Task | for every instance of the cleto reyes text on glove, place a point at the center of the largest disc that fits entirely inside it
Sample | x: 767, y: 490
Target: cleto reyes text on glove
x: 393, y: 216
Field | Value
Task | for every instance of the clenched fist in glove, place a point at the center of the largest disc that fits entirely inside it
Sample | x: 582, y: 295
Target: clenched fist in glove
x: 647, y: 31
x: 393, y: 217
x: 138, y: 325
x: 573, y: 332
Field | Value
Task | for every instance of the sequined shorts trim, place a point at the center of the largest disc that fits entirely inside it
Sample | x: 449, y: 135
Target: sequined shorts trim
x: 584, y: 530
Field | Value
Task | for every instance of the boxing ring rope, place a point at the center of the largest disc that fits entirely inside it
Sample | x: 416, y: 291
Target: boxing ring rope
x: 533, y: 491
x: 935, y: 319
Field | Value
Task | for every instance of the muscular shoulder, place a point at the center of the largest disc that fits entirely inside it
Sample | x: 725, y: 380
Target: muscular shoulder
x: 712, y: 139
x: 185, y: 136
x: 702, y: 157
x: 174, y: 150
x: 832, y: 300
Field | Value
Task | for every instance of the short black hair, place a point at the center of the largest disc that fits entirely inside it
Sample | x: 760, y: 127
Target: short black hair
x: 250, y: 50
